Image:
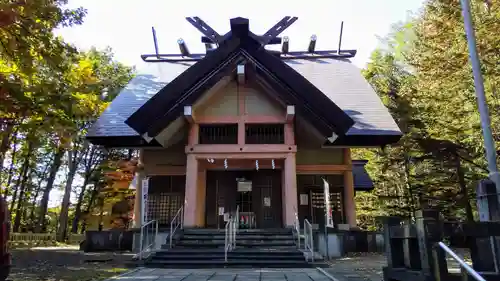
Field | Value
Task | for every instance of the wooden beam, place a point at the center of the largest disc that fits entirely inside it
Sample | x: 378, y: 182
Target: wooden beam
x: 241, y: 74
x: 247, y: 119
x: 235, y: 148
x: 290, y: 113
x: 188, y: 114
x: 248, y: 156
x: 321, y: 169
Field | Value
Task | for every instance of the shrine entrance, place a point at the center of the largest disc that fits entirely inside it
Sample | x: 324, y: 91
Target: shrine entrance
x: 255, y: 194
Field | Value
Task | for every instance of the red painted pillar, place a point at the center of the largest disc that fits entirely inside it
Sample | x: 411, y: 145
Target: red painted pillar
x: 290, y: 190
x: 190, y: 198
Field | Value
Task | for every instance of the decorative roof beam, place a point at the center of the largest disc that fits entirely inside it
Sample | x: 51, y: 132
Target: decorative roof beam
x: 209, y: 47
x: 312, y: 44
x: 188, y: 114
x: 290, y: 113
x: 344, y: 54
x: 285, y: 46
x: 277, y: 29
x: 240, y: 70
x: 274, y: 41
x: 171, y: 57
x: 183, y: 48
x: 204, y: 28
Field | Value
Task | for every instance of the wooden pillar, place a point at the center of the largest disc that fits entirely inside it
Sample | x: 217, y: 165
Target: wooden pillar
x: 290, y: 190
x: 241, y: 114
x: 201, y: 196
x: 138, y: 177
x: 194, y: 132
x: 349, y: 203
x: 190, y: 201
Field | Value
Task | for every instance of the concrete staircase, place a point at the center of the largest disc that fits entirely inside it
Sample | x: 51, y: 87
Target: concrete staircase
x: 204, y: 248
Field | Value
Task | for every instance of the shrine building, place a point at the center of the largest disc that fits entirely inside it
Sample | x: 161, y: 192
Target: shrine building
x: 245, y: 128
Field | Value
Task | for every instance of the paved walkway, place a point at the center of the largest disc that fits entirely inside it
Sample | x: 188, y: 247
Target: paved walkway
x: 288, y: 274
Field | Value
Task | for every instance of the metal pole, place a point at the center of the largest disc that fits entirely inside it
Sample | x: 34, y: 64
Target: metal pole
x: 481, y: 97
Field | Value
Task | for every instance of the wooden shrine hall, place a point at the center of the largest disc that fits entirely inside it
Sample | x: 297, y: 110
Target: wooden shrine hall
x: 245, y: 128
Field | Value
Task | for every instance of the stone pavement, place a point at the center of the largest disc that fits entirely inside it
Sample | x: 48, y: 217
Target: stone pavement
x: 222, y: 274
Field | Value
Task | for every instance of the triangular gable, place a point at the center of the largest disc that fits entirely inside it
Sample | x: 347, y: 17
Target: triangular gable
x: 239, y: 42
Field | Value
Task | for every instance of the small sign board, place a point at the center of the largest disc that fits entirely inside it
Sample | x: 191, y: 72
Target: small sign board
x: 267, y: 201
x: 221, y: 211
x: 244, y: 186
x: 328, y: 208
x: 144, y: 209
x: 304, y: 199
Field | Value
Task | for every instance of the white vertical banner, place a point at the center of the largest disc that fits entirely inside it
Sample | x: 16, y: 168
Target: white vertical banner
x: 144, y: 203
x: 328, y: 208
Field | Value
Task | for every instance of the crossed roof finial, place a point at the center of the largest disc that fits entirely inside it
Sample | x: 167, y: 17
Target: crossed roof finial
x: 211, y: 36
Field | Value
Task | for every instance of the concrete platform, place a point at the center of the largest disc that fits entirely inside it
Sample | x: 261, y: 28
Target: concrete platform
x: 288, y: 274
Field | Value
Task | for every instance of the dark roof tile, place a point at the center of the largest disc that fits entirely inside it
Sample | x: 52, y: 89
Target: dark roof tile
x: 152, y: 78
x: 340, y: 80
x: 343, y: 83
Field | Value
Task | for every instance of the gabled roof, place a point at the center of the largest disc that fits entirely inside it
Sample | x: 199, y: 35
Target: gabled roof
x: 168, y: 104
x: 337, y: 83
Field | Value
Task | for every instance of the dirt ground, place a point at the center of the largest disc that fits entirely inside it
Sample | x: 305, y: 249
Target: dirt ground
x: 64, y: 264
x: 70, y: 264
x: 358, y: 267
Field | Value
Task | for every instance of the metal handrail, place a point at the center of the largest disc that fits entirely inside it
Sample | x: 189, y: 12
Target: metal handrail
x: 462, y: 263
x: 297, y: 227
x: 228, y: 244
x: 178, y: 220
x: 150, y: 243
x: 237, y: 217
x: 236, y: 225
x: 308, y: 239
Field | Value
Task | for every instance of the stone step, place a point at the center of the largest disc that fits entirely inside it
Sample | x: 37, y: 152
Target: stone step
x: 248, y: 263
x: 238, y: 237
x: 221, y: 243
x: 288, y: 251
x: 195, y: 231
x: 243, y: 252
x: 230, y: 255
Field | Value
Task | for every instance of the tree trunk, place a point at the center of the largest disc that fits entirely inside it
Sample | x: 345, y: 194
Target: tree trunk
x: 20, y: 201
x: 6, y: 139
x: 33, y: 208
x: 463, y: 189
x: 24, y: 175
x: 63, y: 215
x: 78, y: 207
x: 56, y: 164
x: 91, y: 161
x: 11, y: 168
x: 93, y: 196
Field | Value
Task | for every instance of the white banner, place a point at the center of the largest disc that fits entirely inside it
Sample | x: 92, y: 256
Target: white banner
x: 144, y: 203
x: 328, y: 208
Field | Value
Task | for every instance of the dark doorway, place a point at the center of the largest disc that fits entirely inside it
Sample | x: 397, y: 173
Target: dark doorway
x: 257, y: 193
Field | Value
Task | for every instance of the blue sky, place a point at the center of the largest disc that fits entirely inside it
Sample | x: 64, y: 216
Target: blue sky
x: 125, y: 25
